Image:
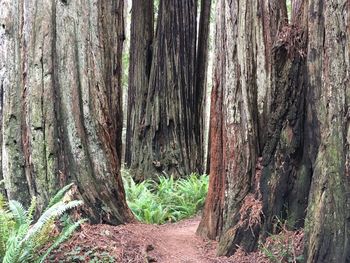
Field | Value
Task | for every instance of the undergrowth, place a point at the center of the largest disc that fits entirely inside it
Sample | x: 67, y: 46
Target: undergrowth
x: 167, y: 200
x: 286, y: 246
x: 22, y: 240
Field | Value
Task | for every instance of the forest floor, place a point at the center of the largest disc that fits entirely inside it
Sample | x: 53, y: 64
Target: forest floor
x: 140, y: 243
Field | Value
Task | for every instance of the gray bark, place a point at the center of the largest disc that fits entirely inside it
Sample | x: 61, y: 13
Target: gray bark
x: 60, y: 74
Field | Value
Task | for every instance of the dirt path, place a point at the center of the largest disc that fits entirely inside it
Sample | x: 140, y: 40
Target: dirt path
x: 140, y: 243
x: 178, y: 243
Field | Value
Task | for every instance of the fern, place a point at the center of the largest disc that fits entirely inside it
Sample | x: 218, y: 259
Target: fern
x: 65, y: 234
x: 167, y: 199
x: 31, y: 210
x: 53, y: 212
x: 60, y: 194
x: 45, y: 235
x: 12, y: 247
x: 6, y: 225
x: 2, y: 202
x: 20, y: 241
x: 18, y: 212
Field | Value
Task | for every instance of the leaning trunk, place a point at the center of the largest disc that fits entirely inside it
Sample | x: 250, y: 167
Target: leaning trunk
x: 62, y: 102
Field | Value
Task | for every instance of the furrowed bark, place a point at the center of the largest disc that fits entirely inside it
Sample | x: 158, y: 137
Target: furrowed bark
x: 257, y: 126
x: 300, y: 124
x: 236, y: 105
x: 62, y: 103
x: 142, y: 33
x: 13, y: 162
x: 327, y: 226
x: 167, y: 138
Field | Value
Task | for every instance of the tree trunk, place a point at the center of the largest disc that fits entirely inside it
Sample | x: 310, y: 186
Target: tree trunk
x: 2, y: 66
x: 236, y: 102
x: 62, y: 117
x: 270, y: 142
x: 257, y: 168
x: 202, y: 75
x: 327, y: 227
x: 169, y: 136
x: 142, y: 24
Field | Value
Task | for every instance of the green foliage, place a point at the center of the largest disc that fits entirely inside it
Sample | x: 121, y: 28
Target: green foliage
x: 7, y: 223
x: 21, y: 240
x: 90, y: 255
x: 60, y: 195
x: 167, y: 200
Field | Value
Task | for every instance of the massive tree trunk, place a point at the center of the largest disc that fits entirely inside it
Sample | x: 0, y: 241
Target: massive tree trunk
x: 328, y: 226
x: 244, y: 37
x: 277, y: 129
x: 142, y: 24
x: 257, y: 168
x: 168, y: 137
x: 62, y: 102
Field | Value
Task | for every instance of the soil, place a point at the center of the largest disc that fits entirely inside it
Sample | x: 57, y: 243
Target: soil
x: 140, y: 243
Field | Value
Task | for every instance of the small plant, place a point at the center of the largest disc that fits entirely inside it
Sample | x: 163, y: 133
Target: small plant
x: 286, y: 246
x: 166, y: 200
x: 21, y: 240
x: 93, y: 255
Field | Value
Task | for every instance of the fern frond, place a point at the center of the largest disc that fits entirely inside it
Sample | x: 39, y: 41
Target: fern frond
x: 12, y: 249
x: 2, y: 202
x: 60, y: 194
x: 31, y: 210
x: 45, y: 235
x: 65, y: 234
x: 20, y: 241
x: 53, y: 212
x: 7, y: 225
x: 18, y: 211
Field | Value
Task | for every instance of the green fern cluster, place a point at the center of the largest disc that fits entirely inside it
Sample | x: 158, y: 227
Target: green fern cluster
x: 166, y: 200
x: 21, y: 240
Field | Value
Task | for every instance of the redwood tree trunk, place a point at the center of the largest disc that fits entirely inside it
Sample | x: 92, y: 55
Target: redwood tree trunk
x: 257, y: 166
x: 328, y: 226
x: 202, y: 74
x: 244, y: 37
x: 168, y: 137
x: 270, y: 142
x: 62, y: 102
x: 142, y: 33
